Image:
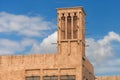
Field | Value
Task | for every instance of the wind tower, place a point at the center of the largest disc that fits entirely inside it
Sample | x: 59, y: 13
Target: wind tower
x: 71, y: 41
x: 71, y: 29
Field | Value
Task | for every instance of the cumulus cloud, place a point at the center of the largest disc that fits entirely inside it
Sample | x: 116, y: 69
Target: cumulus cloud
x: 108, y: 67
x: 102, y: 53
x: 8, y: 47
x: 24, y: 25
x: 47, y: 45
x: 101, y: 49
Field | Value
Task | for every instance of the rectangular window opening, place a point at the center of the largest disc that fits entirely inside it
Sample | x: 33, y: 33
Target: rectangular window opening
x: 50, y: 78
x: 67, y: 77
x: 32, y: 78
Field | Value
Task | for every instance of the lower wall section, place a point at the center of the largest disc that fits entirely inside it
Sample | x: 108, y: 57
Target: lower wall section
x: 39, y: 74
x: 108, y: 78
x: 48, y: 74
x: 64, y: 77
x: 12, y: 75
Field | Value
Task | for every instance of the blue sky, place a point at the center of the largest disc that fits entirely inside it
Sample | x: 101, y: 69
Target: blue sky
x: 29, y: 26
x: 102, y: 16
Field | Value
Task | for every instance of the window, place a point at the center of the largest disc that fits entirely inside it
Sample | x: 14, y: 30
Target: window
x: 33, y: 78
x: 75, y: 27
x: 50, y: 77
x: 63, y: 27
x: 67, y: 77
x: 69, y: 27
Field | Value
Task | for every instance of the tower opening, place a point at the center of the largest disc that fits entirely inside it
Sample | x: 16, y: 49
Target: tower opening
x: 63, y: 26
x: 68, y: 26
x: 75, y: 27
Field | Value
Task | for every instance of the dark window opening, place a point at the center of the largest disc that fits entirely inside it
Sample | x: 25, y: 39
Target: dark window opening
x: 69, y: 27
x: 50, y: 78
x: 33, y: 78
x: 75, y: 27
x: 67, y: 77
x: 63, y: 27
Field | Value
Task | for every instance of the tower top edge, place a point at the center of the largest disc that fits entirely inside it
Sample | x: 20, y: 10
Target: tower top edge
x: 71, y: 8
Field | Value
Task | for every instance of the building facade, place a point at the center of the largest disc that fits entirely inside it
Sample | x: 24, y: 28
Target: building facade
x: 107, y: 78
x: 69, y: 63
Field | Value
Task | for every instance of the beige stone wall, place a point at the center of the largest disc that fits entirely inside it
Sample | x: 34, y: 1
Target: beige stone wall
x: 108, y: 77
x: 18, y: 67
x: 37, y: 61
x: 88, y: 71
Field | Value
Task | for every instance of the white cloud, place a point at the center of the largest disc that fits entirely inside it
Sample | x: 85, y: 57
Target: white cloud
x: 102, y: 53
x: 9, y: 47
x: 46, y: 46
x: 24, y: 25
x: 21, y: 25
x: 110, y: 66
x: 101, y: 49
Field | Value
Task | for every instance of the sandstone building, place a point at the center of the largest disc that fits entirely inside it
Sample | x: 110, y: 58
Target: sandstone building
x: 69, y: 63
x: 108, y: 78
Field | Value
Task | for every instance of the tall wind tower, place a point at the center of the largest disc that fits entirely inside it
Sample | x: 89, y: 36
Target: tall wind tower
x: 71, y: 40
x: 71, y: 29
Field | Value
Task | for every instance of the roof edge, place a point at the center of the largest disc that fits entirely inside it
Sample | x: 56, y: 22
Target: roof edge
x: 76, y: 7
